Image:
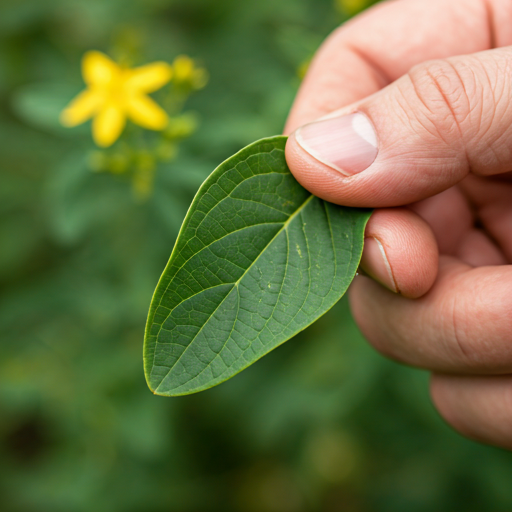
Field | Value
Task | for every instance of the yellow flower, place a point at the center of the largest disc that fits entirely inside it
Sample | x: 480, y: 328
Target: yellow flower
x: 186, y: 72
x: 114, y: 94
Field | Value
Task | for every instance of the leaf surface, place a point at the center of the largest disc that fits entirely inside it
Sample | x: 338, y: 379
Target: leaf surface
x: 257, y: 260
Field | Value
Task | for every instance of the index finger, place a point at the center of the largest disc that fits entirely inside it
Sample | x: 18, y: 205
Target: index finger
x: 461, y: 326
x: 382, y: 44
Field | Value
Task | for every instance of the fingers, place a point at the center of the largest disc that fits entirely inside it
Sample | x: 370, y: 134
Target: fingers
x: 415, y: 138
x: 400, y: 252
x: 493, y: 202
x: 462, y: 325
x: 478, y: 407
x: 449, y: 216
x: 478, y: 250
x: 382, y: 44
x: 451, y: 219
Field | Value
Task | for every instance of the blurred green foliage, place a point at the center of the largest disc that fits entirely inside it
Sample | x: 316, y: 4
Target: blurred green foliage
x: 322, y: 424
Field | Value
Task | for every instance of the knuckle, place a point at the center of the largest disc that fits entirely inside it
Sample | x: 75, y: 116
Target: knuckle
x: 466, y: 102
x: 460, y: 348
x: 491, y: 136
x: 447, y: 95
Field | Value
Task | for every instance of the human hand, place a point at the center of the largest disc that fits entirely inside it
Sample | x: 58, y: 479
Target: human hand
x: 422, y: 130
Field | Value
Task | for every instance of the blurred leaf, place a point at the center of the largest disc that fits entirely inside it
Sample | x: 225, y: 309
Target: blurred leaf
x: 258, y: 260
x: 78, y: 199
x: 40, y: 105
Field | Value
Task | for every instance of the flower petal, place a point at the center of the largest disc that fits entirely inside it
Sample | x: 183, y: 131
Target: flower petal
x: 143, y: 111
x: 99, y: 70
x: 108, y: 125
x: 82, y: 108
x: 183, y: 67
x: 149, y: 78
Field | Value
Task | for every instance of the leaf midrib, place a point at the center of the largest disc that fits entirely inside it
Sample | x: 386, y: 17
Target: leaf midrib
x: 236, y: 283
x: 214, y: 241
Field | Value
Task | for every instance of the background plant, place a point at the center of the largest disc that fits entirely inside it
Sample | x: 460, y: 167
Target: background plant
x: 318, y: 425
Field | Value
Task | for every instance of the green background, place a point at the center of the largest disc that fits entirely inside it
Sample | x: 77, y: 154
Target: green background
x: 321, y: 424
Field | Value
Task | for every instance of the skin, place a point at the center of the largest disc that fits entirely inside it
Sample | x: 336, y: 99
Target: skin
x: 439, y: 94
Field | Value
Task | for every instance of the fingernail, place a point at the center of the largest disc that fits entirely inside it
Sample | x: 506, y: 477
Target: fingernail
x: 376, y: 264
x: 346, y: 143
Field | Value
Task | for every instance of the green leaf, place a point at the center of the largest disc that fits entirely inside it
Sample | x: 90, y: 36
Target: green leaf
x: 40, y: 105
x: 257, y: 260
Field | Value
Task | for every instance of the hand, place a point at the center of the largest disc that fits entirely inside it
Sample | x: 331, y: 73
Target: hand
x: 419, y: 97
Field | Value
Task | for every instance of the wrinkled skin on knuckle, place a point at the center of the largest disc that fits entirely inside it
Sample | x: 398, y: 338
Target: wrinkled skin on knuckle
x: 477, y: 328
x: 440, y: 100
x: 460, y: 338
x: 467, y: 103
x: 491, y: 128
x: 424, y: 132
x: 455, y: 332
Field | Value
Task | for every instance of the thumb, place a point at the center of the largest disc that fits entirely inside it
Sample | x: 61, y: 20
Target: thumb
x: 413, y: 139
